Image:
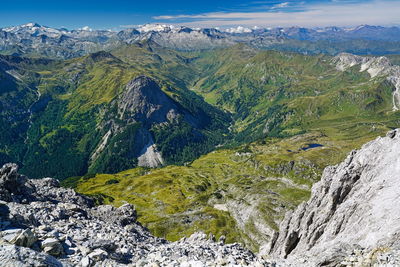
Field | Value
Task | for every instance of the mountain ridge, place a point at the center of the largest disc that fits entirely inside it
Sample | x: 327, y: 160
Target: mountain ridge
x: 36, y: 40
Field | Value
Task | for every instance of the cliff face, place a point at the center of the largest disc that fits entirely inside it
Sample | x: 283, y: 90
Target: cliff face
x: 354, y: 206
x: 144, y: 101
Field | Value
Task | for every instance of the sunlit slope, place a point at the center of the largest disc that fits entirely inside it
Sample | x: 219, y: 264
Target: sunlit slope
x: 281, y: 94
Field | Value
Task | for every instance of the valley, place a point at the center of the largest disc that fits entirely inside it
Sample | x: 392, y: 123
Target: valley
x: 224, y: 140
x: 239, y: 174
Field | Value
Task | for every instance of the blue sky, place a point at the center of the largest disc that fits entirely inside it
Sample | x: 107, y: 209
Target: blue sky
x: 116, y: 14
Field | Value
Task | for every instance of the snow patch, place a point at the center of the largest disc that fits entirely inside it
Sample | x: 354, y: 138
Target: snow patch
x: 86, y: 28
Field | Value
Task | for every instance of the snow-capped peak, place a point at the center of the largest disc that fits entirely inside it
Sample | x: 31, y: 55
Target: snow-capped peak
x: 239, y: 29
x: 31, y: 25
x: 357, y: 28
x: 155, y: 28
x: 33, y: 28
x: 86, y: 28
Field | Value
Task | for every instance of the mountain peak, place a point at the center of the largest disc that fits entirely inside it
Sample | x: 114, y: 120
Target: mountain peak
x: 31, y: 25
x: 102, y: 55
x: 155, y: 28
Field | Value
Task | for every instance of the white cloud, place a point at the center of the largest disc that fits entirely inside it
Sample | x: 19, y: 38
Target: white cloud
x: 376, y: 12
x: 281, y: 5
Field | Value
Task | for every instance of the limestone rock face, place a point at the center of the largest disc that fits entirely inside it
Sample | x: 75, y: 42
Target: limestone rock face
x: 356, y: 205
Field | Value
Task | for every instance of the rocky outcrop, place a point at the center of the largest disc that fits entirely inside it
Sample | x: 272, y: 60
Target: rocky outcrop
x: 144, y: 101
x: 42, y: 224
x: 353, y: 207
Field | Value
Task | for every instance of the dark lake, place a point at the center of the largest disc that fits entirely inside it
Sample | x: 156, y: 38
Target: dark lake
x: 310, y: 146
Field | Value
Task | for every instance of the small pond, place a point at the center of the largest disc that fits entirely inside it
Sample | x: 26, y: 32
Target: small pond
x: 310, y: 146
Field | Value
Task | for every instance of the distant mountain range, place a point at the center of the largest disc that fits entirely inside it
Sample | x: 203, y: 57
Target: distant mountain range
x: 32, y: 39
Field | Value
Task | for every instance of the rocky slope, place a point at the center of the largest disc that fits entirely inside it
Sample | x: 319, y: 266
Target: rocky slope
x: 42, y: 224
x: 353, y: 208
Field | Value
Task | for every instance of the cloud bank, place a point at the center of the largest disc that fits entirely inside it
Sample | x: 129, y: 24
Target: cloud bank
x: 335, y: 12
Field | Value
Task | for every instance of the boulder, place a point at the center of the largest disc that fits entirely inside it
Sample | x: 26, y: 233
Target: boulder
x: 86, y: 262
x: 124, y: 215
x: 98, y: 255
x: 15, y: 256
x: 52, y: 246
x: 25, y: 239
x: 13, y: 186
x: 10, y: 235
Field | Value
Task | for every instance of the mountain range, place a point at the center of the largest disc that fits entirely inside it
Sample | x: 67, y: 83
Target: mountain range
x: 42, y: 41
